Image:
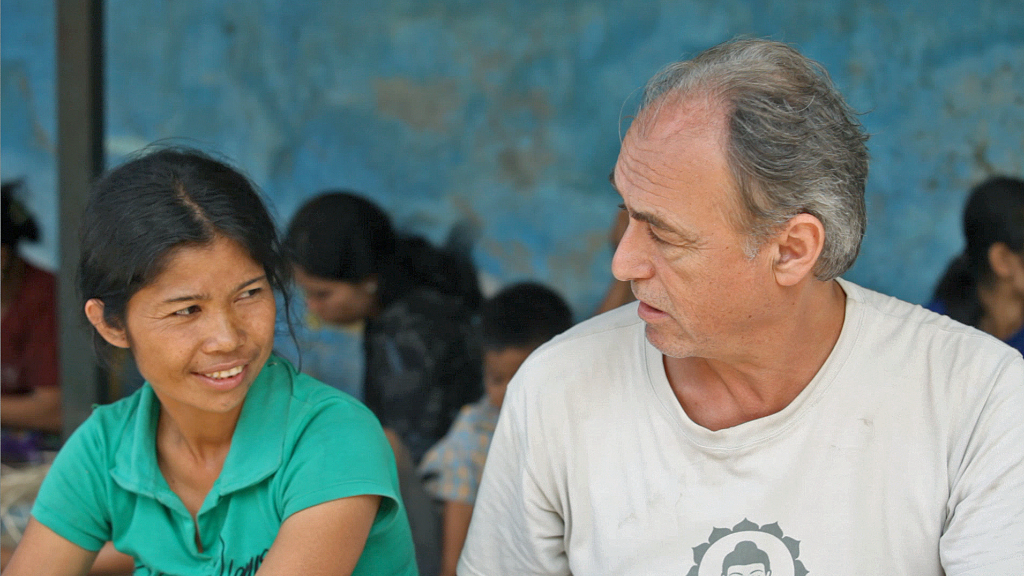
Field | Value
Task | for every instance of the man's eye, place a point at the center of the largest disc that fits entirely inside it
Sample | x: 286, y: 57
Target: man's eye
x: 654, y: 235
x: 187, y: 311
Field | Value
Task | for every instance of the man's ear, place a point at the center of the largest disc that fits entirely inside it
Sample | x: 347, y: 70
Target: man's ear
x: 94, y: 312
x: 797, y: 248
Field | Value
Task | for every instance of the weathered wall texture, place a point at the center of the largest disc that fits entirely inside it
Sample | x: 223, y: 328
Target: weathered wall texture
x: 507, y: 114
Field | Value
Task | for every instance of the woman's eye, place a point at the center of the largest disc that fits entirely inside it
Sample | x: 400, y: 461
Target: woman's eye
x: 251, y: 292
x: 187, y: 311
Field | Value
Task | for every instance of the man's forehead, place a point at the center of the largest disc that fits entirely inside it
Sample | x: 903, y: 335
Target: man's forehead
x: 665, y: 131
x: 671, y: 117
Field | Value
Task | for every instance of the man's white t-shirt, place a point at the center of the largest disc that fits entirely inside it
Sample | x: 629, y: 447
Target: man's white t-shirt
x: 903, y: 456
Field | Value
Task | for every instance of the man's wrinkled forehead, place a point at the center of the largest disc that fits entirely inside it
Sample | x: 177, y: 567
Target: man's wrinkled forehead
x: 695, y: 115
x: 669, y: 126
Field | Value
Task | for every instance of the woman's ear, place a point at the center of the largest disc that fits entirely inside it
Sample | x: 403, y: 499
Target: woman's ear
x: 1003, y: 261
x: 94, y: 312
x: 798, y: 246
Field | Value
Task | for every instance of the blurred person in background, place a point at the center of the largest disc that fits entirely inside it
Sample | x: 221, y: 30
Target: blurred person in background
x: 30, y: 408
x: 513, y: 323
x: 984, y: 286
x: 418, y: 304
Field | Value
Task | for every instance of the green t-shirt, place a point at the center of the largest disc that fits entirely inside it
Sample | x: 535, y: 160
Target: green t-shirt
x: 298, y: 443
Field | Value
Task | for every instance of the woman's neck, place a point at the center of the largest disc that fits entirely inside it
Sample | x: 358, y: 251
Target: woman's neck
x: 1003, y: 310
x: 191, y: 453
x: 204, y: 437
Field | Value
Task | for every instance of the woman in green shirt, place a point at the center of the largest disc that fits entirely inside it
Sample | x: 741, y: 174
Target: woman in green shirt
x: 227, y: 461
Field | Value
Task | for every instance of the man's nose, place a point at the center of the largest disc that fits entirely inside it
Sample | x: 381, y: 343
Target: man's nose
x: 631, y: 260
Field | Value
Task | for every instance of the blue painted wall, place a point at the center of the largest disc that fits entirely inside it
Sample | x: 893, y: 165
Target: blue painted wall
x: 507, y: 113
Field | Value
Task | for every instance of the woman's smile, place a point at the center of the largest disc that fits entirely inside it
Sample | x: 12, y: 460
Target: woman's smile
x: 224, y: 380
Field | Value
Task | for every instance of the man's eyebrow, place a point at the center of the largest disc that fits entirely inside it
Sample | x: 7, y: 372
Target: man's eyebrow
x: 653, y: 220
x: 648, y: 218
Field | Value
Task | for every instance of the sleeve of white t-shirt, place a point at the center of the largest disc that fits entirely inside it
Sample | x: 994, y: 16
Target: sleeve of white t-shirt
x: 517, y: 527
x: 984, y: 532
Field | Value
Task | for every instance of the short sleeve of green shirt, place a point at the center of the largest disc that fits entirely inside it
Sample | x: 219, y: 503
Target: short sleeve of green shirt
x: 340, y: 451
x: 73, y: 499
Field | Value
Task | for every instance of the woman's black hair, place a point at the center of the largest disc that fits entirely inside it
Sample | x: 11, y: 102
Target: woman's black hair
x: 523, y: 315
x: 994, y: 214
x: 340, y: 235
x: 17, y: 223
x: 140, y: 212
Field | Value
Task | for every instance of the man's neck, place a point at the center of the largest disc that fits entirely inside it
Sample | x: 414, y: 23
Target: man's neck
x: 723, y: 392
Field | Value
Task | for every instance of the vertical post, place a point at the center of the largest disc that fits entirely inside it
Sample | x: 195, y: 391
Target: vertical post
x: 80, y: 159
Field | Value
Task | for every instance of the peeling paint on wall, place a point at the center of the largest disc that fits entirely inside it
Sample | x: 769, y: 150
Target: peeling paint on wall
x: 421, y: 106
x: 507, y: 115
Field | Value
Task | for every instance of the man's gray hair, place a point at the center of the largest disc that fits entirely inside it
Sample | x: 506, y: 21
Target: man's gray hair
x: 794, y: 145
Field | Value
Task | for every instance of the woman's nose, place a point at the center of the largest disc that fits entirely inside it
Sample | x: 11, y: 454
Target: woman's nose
x: 225, y: 332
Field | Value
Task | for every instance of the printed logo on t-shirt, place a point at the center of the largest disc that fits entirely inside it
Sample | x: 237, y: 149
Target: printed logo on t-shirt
x: 748, y: 550
x: 227, y: 566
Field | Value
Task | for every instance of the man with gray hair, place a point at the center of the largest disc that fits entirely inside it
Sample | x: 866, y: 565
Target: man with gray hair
x: 751, y: 395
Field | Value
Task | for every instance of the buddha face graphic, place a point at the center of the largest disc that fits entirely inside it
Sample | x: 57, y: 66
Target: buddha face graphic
x: 748, y: 549
x: 746, y: 559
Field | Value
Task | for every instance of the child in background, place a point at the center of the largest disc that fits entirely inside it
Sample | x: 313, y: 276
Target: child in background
x: 514, y: 323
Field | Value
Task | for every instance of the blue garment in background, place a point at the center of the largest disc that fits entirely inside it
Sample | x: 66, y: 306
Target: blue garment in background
x: 331, y: 354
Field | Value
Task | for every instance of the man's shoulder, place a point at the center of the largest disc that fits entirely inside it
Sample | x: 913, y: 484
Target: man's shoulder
x: 913, y: 331
x: 583, y: 358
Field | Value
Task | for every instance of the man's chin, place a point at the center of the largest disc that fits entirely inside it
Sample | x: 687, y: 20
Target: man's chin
x: 672, y: 345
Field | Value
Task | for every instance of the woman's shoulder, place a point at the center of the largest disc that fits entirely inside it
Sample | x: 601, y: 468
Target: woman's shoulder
x: 311, y: 398
x: 113, y: 418
x: 107, y: 430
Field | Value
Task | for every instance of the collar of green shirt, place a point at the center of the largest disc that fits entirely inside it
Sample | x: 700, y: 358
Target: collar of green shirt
x: 256, y: 446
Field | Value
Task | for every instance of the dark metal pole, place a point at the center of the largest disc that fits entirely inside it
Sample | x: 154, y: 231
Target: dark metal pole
x: 80, y: 159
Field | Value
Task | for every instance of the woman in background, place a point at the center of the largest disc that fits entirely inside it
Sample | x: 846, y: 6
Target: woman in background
x: 30, y: 408
x: 417, y: 304
x: 984, y: 286
x: 217, y: 464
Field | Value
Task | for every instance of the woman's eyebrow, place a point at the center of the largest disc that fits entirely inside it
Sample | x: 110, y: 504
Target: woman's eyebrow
x: 192, y: 297
x: 253, y: 281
